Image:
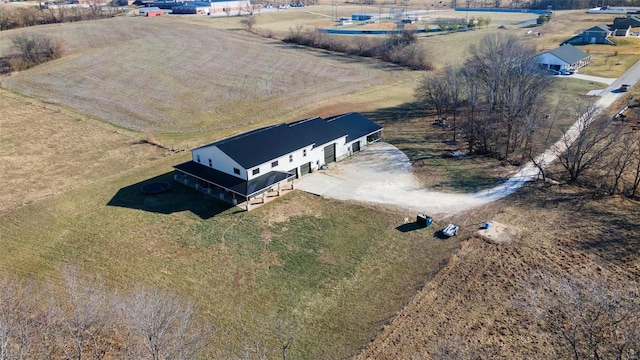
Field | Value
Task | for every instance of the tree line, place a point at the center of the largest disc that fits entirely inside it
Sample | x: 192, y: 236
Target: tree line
x: 496, y: 104
x: 81, y: 317
x: 401, y: 48
x: 599, y: 153
x: 12, y: 18
x: 84, y: 320
x: 496, y: 99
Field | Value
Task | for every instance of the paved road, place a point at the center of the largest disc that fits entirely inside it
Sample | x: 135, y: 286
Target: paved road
x: 382, y: 174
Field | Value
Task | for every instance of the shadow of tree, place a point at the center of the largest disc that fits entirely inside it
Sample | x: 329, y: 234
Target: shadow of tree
x: 177, y: 199
x: 404, y: 112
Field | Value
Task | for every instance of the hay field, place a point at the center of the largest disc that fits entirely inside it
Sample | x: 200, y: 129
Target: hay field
x: 45, y: 150
x: 160, y: 75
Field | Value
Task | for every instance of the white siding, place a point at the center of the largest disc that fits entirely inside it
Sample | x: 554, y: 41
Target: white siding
x: 284, y: 164
x: 550, y: 59
x: 219, y: 160
x: 349, y: 146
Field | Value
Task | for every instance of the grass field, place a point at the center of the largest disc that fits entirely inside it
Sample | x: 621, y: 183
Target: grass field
x: 45, y: 150
x: 338, y: 271
x: 293, y: 257
x: 235, y: 82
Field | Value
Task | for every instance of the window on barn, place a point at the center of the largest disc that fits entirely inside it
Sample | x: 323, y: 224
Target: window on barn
x: 198, y: 158
x: 210, y: 163
x: 304, y: 152
x: 291, y: 158
x: 236, y: 171
x: 256, y: 171
x: 274, y: 164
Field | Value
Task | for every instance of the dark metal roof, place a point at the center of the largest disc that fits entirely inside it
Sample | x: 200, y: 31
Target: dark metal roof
x: 230, y: 182
x: 569, y: 54
x: 262, y: 145
x: 354, y: 124
x: 599, y: 28
x: 317, y: 129
x: 632, y: 20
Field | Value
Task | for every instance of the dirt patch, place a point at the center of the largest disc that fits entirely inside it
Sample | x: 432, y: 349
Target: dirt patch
x: 497, y: 233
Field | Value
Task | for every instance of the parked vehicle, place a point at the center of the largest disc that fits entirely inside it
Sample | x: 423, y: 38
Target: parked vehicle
x: 624, y: 87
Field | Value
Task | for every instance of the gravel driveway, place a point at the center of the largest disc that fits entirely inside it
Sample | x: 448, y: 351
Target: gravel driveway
x: 382, y: 175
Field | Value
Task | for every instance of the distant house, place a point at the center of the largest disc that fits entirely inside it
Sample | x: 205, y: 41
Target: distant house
x: 565, y: 57
x: 248, y: 166
x: 620, y: 29
x: 597, y: 35
x: 632, y: 20
x: 150, y: 11
x: 192, y: 8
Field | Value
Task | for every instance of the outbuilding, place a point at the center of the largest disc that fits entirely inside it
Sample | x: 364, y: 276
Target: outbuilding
x: 565, y: 57
x: 150, y: 11
x: 265, y: 161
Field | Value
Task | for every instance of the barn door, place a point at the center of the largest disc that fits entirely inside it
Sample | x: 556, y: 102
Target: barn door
x: 330, y: 153
x: 305, y: 169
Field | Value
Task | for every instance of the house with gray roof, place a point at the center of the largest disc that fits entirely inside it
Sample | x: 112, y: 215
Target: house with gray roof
x: 598, y: 34
x: 631, y: 20
x: 565, y: 57
x: 265, y: 161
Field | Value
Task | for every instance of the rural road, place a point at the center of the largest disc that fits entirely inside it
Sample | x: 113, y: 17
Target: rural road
x: 382, y: 174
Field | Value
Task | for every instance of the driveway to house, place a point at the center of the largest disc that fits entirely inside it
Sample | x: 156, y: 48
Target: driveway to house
x: 599, y: 79
x: 382, y: 175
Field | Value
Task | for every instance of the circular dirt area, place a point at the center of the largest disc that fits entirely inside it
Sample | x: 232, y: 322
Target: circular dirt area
x: 497, y: 233
x: 156, y: 187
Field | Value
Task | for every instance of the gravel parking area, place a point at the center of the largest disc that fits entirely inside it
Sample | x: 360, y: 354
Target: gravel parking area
x: 382, y: 175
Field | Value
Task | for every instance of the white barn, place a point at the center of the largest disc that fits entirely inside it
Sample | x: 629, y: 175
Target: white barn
x: 248, y: 165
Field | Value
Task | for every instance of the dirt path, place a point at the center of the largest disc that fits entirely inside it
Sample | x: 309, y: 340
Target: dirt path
x: 382, y: 174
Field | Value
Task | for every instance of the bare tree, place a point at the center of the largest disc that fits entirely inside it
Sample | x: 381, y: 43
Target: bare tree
x: 634, y: 148
x: 618, y: 161
x: 80, y: 315
x: 455, y: 88
x: 34, y: 49
x: 166, y: 325
x: 248, y: 22
x: 18, y: 307
x: 433, y: 92
x: 511, y: 87
x: 583, y: 145
x: 592, y: 320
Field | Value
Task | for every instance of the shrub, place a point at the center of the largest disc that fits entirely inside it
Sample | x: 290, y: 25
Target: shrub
x: 34, y: 49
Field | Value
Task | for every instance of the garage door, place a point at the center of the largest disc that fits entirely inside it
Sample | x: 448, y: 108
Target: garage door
x: 330, y: 153
x: 305, y: 169
x: 293, y: 171
x: 355, y: 147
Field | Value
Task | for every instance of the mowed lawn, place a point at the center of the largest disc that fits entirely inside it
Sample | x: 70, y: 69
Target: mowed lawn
x: 168, y: 76
x: 336, y: 271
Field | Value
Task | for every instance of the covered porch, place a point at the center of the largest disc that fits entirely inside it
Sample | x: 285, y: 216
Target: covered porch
x: 231, y: 189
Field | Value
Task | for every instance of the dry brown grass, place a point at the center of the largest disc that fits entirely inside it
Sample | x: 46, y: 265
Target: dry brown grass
x: 475, y: 303
x: 136, y: 74
x: 45, y: 150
